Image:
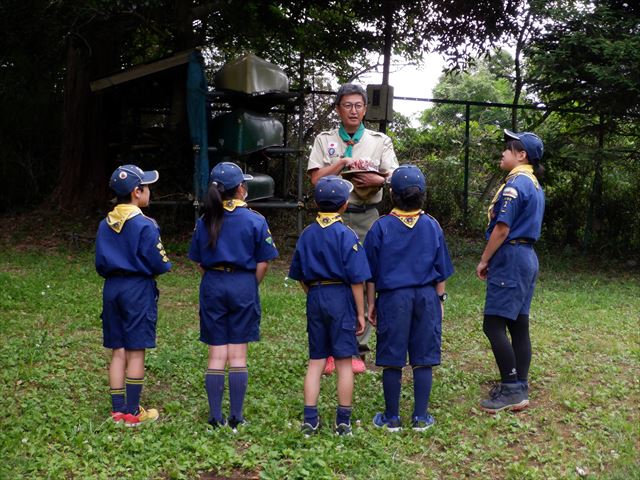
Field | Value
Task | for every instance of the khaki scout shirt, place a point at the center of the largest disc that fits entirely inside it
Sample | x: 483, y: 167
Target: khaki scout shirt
x: 374, y: 146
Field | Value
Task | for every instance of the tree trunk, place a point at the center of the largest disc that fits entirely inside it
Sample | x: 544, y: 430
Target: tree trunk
x: 595, y: 198
x: 84, y: 165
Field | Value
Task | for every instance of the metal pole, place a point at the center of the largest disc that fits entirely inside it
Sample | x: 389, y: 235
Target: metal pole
x: 467, y: 112
x: 388, y: 29
x: 300, y: 136
x: 196, y: 182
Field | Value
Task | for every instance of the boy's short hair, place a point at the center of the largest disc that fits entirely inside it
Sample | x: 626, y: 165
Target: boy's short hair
x: 332, y: 192
x: 411, y: 198
x: 127, y: 178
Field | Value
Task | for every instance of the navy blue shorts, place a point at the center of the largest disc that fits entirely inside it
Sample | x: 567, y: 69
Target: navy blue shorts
x: 511, y: 281
x: 409, y: 321
x: 229, y: 307
x: 129, y: 312
x: 331, y: 322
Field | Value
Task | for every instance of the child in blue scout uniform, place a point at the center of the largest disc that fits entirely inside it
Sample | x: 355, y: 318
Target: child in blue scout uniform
x: 232, y: 246
x: 409, y: 264
x: 129, y: 254
x: 510, y: 266
x: 331, y: 267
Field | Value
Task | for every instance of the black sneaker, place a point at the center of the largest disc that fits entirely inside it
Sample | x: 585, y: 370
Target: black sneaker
x: 234, y: 423
x: 343, y: 429
x: 217, y: 423
x: 307, y: 429
x: 506, y: 396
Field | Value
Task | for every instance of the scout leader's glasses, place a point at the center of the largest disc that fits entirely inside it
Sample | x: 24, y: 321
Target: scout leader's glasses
x: 350, y: 106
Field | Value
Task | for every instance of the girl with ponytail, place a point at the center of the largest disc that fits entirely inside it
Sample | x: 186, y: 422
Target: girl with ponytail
x: 232, y: 246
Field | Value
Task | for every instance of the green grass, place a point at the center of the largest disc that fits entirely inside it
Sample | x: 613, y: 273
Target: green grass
x: 54, y: 393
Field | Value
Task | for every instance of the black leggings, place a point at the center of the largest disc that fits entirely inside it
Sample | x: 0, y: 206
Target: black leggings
x: 513, y: 358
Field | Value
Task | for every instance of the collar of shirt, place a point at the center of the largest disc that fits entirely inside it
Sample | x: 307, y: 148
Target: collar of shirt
x: 231, y: 205
x: 326, y: 219
x: 117, y: 217
x: 410, y: 219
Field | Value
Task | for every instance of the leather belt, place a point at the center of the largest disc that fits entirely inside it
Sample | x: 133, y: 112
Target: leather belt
x: 361, y: 208
x: 521, y: 241
x: 318, y: 283
x: 223, y: 268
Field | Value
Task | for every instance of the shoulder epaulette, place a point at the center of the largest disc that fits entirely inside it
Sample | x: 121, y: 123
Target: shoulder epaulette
x: 433, y: 218
x: 255, y: 211
x: 376, y: 133
x: 152, y: 220
x: 530, y: 176
x: 328, y: 132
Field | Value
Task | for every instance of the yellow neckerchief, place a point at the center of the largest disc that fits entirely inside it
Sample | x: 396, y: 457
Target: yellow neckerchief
x: 325, y: 219
x: 410, y: 219
x: 231, y: 205
x: 526, y: 170
x: 117, y: 217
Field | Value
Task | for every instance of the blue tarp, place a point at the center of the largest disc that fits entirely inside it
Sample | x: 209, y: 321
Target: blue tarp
x: 197, y: 114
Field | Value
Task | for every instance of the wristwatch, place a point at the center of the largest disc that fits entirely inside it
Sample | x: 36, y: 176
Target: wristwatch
x: 443, y: 297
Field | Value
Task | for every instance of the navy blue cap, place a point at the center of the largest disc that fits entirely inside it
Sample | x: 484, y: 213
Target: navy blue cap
x: 406, y: 176
x: 126, y: 178
x: 229, y: 175
x: 333, y: 190
x: 531, y: 143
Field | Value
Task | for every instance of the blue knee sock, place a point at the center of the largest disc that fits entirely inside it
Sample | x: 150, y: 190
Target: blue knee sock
x: 133, y: 386
x: 311, y: 415
x: 422, y: 378
x: 343, y: 415
x: 391, y: 383
x: 238, y: 380
x: 214, y: 384
x: 118, y: 403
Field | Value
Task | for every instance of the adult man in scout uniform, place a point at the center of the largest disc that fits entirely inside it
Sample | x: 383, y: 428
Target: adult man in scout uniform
x: 364, y: 157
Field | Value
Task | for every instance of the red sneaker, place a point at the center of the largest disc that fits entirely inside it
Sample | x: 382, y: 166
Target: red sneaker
x: 358, y: 365
x: 329, y: 367
x: 145, y: 416
x: 117, y: 416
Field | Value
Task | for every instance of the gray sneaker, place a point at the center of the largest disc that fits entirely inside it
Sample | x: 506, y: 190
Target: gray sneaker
x: 307, y: 429
x: 506, y: 396
x: 343, y: 429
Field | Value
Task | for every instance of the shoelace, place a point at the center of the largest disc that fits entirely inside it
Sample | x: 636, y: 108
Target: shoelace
x: 495, y: 391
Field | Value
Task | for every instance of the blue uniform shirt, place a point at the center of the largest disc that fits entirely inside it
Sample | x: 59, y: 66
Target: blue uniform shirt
x: 129, y: 242
x: 520, y: 205
x: 243, y: 241
x: 329, y: 251
x: 407, y: 256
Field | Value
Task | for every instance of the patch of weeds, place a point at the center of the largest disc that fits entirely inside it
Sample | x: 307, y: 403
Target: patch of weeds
x: 584, y: 387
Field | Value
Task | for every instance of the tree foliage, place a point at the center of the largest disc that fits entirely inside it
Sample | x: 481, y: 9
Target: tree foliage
x: 590, y: 58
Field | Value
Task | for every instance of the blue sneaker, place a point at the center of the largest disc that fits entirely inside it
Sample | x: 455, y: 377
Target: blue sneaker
x: 420, y: 424
x: 392, y: 424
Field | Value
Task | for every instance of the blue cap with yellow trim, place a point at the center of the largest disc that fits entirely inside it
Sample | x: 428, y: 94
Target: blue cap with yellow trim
x: 332, y: 190
x: 406, y: 176
x: 127, y: 177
